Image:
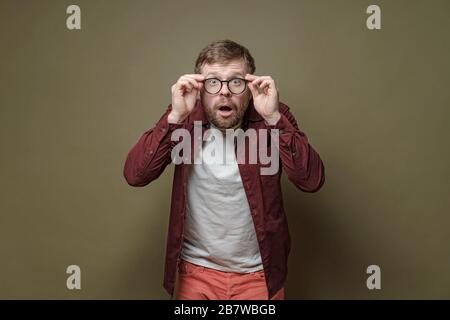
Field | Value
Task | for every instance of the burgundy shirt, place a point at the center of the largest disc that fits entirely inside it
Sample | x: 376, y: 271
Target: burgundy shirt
x: 302, y: 164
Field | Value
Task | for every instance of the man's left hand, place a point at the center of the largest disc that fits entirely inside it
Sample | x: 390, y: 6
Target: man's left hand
x: 265, y: 97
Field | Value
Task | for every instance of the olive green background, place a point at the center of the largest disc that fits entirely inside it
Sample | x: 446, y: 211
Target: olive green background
x: 374, y: 104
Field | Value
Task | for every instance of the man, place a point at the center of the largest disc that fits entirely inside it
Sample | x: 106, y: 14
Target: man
x: 228, y: 235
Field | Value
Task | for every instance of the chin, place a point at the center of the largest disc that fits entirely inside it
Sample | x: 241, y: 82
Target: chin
x: 221, y: 124
x: 233, y: 121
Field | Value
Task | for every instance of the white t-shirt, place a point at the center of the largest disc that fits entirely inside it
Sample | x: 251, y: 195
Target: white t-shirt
x: 219, y: 230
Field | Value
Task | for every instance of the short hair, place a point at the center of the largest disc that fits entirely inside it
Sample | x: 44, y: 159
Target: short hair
x: 224, y: 51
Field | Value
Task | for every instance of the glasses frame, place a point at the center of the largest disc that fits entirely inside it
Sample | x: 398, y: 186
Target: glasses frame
x: 228, y: 85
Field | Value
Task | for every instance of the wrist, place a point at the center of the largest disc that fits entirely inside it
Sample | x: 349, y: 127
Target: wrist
x: 174, y: 117
x: 273, y: 118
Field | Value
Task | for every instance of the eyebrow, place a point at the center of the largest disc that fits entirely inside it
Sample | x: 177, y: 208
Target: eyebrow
x: 213, y: 74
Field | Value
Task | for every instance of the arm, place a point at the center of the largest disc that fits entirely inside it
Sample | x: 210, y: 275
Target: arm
x: 152, y: 153
x: 149, y: 157
x: 300, y: 161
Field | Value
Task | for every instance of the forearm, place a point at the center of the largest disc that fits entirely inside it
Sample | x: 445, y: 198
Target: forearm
x: 151, y: 154
x: 299, y: 160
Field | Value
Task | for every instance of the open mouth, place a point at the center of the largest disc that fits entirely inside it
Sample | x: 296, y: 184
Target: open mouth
x: 225, y: 111
x: 225, y: 108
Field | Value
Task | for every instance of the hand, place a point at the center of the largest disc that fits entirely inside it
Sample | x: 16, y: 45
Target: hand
x: 184, y: 96
x: 265, y: 97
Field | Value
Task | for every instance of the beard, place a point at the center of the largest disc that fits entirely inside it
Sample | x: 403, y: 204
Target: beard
x: 233, y: 118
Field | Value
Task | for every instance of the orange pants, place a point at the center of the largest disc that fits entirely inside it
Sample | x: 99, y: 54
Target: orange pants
x: 201, y: 283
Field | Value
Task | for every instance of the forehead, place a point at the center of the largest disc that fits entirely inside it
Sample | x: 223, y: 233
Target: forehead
x: 225, y: 69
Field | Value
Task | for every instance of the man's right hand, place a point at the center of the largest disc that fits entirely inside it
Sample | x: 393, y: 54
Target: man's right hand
x: 184, y: 96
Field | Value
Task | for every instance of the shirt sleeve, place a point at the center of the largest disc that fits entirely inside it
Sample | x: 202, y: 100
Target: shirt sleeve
x: 149, y: 157
x: 299, y: 160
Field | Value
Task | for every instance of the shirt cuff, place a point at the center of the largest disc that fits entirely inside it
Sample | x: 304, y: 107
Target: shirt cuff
x: 282, y: 124
x: 163, y: 128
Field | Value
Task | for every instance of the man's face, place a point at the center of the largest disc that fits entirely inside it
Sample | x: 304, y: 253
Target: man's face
x: 224, y: 109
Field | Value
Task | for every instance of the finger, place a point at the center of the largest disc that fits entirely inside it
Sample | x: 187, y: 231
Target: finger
x: 190, y: 79
x: 266, y: 84
x: 184, y: 84
x: 257, y: 84
x: 196, y: 76
x: 195, y: 83
x: 261, y: 79
x: 250, y: 77
x: 192, y: 82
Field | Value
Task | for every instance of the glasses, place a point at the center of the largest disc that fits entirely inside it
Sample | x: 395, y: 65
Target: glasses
x: 235, y: 85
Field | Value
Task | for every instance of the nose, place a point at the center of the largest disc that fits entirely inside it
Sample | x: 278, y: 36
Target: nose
x: 225, y: 91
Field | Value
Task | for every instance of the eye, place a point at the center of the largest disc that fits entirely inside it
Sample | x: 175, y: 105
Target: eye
x: 236, y: 82
x: 213, y: 82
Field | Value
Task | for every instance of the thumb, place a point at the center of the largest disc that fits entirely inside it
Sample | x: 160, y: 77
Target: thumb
x: 200, y: 86
x: 253, y: 90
